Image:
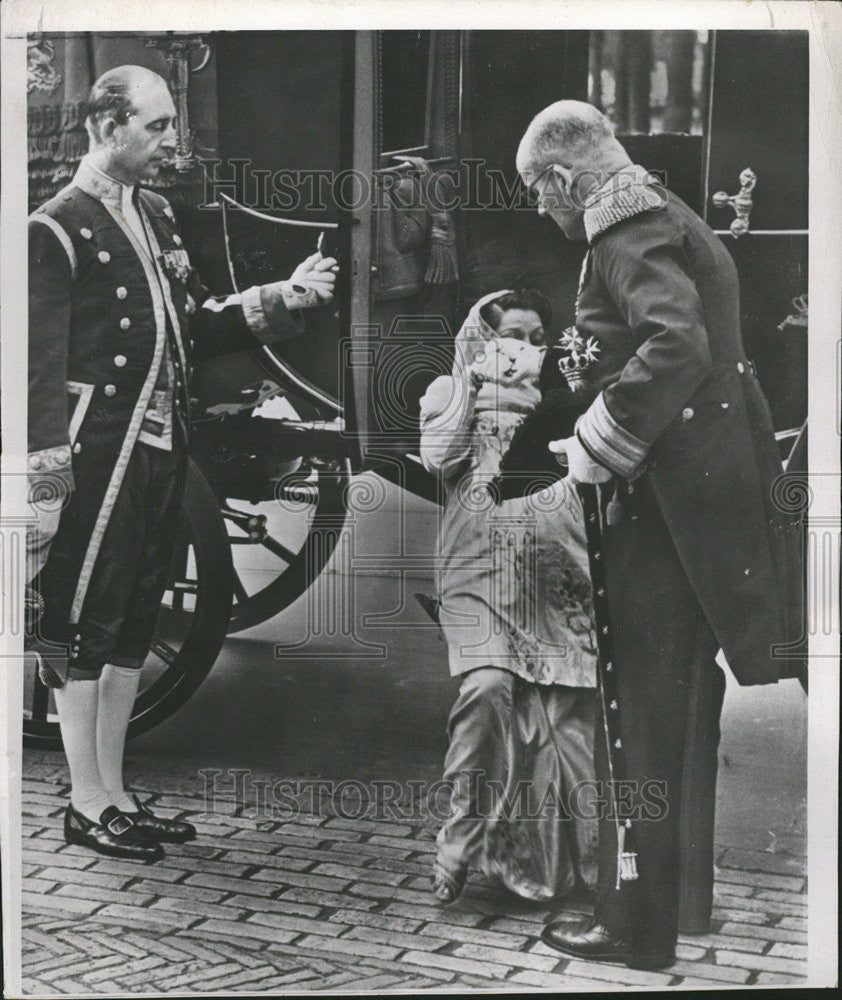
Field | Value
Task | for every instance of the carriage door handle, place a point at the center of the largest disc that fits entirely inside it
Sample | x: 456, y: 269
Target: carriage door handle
x: 741, y: 203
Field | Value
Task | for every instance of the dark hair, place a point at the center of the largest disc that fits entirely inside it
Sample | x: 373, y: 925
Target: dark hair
x: 109, y: 98
x: 523, y: 298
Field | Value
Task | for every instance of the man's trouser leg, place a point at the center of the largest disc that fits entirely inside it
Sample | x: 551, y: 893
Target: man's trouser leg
x: 663, y: 647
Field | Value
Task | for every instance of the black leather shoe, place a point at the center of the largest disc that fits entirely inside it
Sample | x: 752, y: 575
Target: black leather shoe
x: 173, y: 831
x: 590, y: 941
x: 115, y: 835
x: 594, y: 942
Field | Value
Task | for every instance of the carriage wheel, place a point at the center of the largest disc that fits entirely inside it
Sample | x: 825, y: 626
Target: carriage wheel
x: 280, y: 547
x: 190, y: 631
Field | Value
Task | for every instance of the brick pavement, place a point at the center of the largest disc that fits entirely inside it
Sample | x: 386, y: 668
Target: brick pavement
x: 321, y: 903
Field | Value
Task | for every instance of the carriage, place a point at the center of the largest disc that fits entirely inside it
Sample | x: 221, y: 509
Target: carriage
x: 396, y: 149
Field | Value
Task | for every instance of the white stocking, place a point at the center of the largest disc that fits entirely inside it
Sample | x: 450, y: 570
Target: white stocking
x: 76, y: 703
x: 117, y: 692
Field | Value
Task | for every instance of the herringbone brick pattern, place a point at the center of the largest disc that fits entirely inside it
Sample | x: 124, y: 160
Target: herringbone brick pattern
x: 324, y: 903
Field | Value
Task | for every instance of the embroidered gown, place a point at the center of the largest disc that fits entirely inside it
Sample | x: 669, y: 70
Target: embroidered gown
x: 514, y: 595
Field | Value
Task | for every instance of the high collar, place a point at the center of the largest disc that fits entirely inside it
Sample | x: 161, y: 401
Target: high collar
x: 625, y: 194
x: 98, y: 184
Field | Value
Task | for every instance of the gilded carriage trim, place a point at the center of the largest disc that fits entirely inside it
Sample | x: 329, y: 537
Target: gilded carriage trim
x: 165, y: 287
x: 61, y: 235
x: 133, y: 430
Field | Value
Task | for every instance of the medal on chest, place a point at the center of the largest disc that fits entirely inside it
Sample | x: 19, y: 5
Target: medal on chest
x: 176, y: 265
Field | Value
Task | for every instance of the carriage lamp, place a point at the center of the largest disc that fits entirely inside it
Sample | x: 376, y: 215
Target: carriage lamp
x: 741, y: 203
x: 178, y: 49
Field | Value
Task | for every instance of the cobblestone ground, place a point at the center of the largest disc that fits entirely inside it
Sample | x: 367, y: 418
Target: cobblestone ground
x: 328, y: 903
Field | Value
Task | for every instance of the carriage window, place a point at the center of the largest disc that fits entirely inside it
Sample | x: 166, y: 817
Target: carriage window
x: 404, y: 83
x: 650, y: 82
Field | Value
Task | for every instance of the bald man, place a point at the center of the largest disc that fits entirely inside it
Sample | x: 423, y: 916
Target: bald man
x: 696, y: 556
x: 117, y: 315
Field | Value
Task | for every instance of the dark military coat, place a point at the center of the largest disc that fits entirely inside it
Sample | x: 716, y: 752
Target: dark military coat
x: 102, y: 310
x: 680, y: 405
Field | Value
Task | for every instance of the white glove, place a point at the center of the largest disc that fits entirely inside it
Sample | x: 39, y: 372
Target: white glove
x: 311, y: 283
x: 582, y: 468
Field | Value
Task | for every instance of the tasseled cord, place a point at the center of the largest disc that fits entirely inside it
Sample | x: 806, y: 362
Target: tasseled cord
x: 438, y: 190
x: 443, y: 262
x: 626, y: 860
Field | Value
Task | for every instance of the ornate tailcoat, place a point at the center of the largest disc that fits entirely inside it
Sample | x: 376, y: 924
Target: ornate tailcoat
x: 105, y: 312
x: 681, y: 406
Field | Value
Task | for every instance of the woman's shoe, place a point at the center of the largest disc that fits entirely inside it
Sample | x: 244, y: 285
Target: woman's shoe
x: 115, y: 835
x: 448, y: 886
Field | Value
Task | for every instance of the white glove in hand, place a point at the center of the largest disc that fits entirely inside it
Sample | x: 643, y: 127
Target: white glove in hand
x: 582, y: 468
x: 311, y: 283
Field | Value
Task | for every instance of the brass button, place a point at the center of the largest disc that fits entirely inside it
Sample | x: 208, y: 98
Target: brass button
x: 85, y: 233
x: 104, y: 256
x: 120, y: 360
x: 35, y: 462
x: 77, y: 448
x: 125, y: 323
x: 687, y: 413
x: 121, y: 292
x: 724, y: 405
x: 63, y: 457
x: 110, y: 390
x: 740, y: 367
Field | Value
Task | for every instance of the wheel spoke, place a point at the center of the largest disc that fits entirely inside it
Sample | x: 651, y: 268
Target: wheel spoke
x: 278, y: 549
x: 165, y: 651
x: 239, y: 590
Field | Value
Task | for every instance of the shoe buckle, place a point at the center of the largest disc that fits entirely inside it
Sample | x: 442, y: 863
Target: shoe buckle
x: 119, y: 825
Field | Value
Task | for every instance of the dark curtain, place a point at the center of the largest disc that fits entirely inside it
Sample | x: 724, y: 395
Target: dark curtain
x: 60, y: 71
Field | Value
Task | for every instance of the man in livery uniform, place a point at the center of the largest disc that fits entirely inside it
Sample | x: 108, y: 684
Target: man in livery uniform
x: 117, y: 315
x: 695, y: 554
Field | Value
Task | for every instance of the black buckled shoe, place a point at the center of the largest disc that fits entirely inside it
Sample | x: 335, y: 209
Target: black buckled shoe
x: 173, y: 831
x: 589, y: 941
x: 115, y: 835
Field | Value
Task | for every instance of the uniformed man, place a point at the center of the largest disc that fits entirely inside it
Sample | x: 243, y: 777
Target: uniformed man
x: 696, y: 556
x: 116, y: 316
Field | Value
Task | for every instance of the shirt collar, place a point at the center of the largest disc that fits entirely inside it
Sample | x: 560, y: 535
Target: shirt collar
x: 625, y: 194
x: 98, y: 184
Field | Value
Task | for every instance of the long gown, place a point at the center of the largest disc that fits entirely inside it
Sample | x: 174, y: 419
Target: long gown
x: 514, y: 595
